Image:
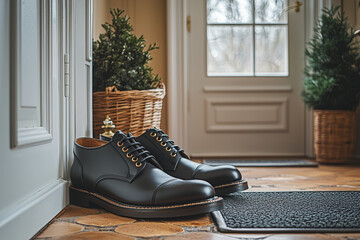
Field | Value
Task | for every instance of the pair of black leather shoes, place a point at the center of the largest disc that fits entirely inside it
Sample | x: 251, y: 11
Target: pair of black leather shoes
x: 124, y: 177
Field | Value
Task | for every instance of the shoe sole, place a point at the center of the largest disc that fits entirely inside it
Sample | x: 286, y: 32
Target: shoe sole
x: 84, y: 198
x: 236, y: 186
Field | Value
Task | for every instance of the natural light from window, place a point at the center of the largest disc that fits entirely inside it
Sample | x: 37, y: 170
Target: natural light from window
x: 247, y: 38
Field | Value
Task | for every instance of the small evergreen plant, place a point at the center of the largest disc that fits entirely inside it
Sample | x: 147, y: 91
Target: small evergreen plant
x: 332, y: 73
x: 120, y: 58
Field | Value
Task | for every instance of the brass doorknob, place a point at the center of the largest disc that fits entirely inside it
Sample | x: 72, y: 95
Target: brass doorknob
x: 296, y: 6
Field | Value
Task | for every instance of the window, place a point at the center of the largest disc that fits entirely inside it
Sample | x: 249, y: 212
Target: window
x: 247, y: 38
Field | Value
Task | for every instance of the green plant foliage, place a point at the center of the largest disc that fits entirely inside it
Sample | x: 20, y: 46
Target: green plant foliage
x: 332, y: 73
x: 120, y: 58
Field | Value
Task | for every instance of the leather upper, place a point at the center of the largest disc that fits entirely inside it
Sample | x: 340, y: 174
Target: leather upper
x: 176, y: 163
x: 107, y: 168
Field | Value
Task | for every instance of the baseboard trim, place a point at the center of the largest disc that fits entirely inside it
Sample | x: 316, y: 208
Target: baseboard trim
x: 24, y: 219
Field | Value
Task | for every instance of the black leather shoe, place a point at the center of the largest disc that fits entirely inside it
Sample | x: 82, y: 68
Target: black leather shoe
x: 122, y: 177
x: 224, y: 179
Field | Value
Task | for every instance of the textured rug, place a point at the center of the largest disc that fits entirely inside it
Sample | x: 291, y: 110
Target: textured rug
x: 263, y: 163
x: 290, y: 212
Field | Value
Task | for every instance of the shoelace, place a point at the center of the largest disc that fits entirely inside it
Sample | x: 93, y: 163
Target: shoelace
x: 162, y: 137
x: 138, y: 151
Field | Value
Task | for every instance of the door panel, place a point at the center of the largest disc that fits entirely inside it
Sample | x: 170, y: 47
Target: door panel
x: 245, y: 102
x: 30, y: 164
x: 37, y: 138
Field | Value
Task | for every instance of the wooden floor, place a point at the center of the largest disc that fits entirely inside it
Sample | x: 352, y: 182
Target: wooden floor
x: 80, y: 223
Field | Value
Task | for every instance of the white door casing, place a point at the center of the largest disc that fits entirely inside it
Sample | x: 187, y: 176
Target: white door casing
x: 79, y: 49
x: 178, y: 75
x: 37, y: 138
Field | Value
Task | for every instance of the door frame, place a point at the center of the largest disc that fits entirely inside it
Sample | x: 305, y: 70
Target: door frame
x: 178, y: 80
x: 71, y: 119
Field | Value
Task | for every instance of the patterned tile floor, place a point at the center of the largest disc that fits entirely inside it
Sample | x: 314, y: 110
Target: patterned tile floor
x: 80, y: 223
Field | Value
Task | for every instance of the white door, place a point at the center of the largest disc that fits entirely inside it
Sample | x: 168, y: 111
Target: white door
x: 245, y: 62
x: 32, y: 187
x: 38, y: 104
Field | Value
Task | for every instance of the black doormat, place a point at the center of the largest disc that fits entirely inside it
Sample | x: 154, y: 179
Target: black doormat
x: 262, y: 163
x: 290, y: 212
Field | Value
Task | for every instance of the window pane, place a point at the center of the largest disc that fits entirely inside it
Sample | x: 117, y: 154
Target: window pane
x: 229, y: 11
x: 229, y: 50
x: 270, y: 11
x: 271, y: 50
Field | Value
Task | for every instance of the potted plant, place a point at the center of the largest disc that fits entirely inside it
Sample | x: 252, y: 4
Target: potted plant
x: 123, y: 84
x: 332, y: 86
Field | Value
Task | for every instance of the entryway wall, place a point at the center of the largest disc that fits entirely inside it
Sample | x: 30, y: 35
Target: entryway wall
x: 149, y: 19
x: 352, y: 10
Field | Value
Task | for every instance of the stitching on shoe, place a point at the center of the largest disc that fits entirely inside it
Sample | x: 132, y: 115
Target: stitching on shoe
x: 217, y: 199
x: 157, y: 188
x: 229, y: 184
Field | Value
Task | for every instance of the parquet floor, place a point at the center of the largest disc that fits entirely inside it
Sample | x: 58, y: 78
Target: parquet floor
x: 81, y: 223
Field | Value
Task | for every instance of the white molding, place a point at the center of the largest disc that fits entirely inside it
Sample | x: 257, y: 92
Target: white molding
x: 247, y: 89
x: 70, y: 100
x: 89, y: 29
x: 68, y: 120
x: 89, y: 26
x: 43, y: 133
x: 89, y: 130
x: 278, y: 126
x: 33, y: 135
x: 88, y: 63
x: 176, y: 79
x: 37, y: 209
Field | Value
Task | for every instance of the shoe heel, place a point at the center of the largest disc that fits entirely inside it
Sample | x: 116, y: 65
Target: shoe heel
x: 80, y: 198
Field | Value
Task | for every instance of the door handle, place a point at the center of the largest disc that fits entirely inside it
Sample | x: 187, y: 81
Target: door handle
x: 296, y: 6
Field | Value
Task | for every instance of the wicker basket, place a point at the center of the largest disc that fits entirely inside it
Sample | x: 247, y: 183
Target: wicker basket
x: 131, y: 111
x: 334, y: 135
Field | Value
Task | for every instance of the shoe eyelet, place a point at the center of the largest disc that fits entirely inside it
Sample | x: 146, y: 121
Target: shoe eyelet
x: 124, y: 149
x: 138, y: 164
x: 158, y: 139
x: 120, y: 145
x: 173, y: 154
x: 134, y: 159
x: 129, y: 155
x: 168, y: 149
x: 163, y: 144
x: 153, y: 134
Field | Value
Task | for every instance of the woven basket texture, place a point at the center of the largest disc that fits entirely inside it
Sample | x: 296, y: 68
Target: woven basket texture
x: 131, y: 111
x: 334, y: 135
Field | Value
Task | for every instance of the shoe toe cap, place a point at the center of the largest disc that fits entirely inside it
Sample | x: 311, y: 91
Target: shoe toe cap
x: 179, y: 191
x: 217, y: 175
